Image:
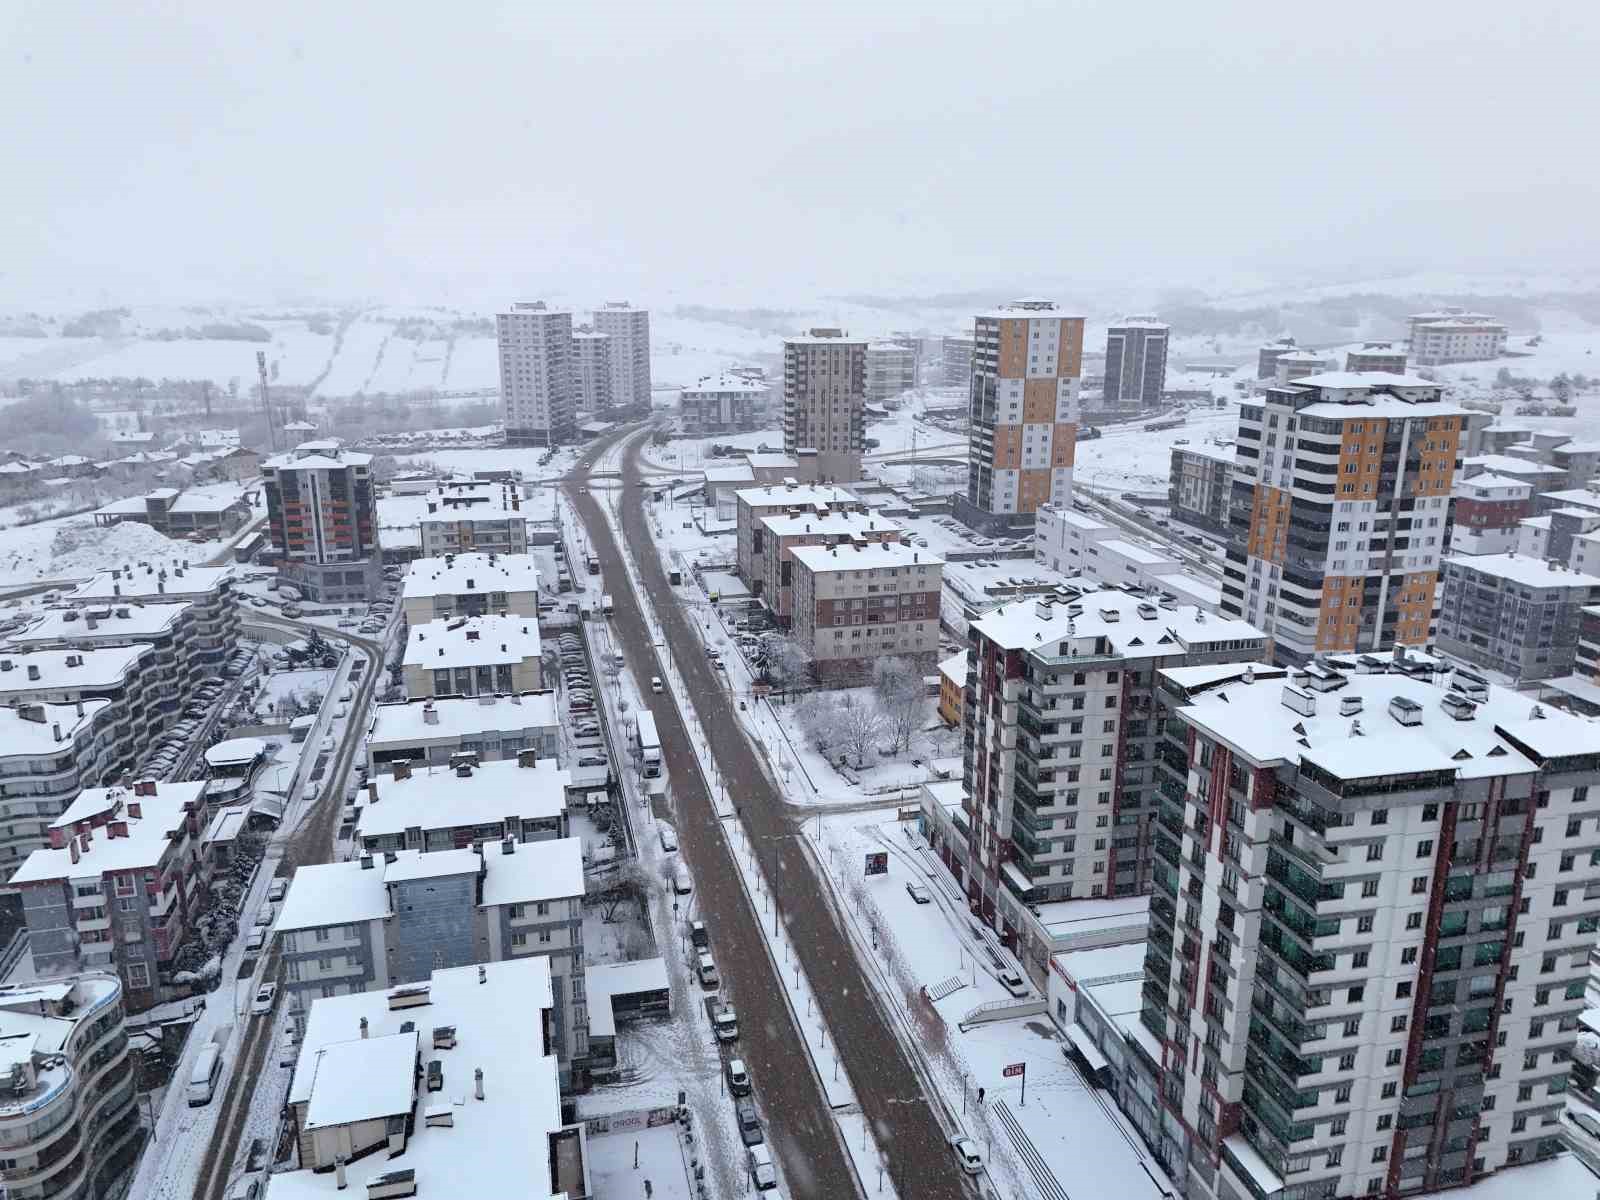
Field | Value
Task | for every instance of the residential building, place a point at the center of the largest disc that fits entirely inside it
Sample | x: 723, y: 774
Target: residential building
x: 1136, y: 362
x: 118, y: 886
x: 1513, y: 614
x: 1485, y: 510
x: 447, y: 808
x: 69, y: 1118
x: 461, y: 517
x: 536, y: 392
x: 1579, y: 459
x: 855, y: 603
x: 383, y: 919
x: 1297, y: 364
x: 891, y: 371
x: 1455, y: 335
x: 955, y: 360
x: 1561, y: 536
x: 1267, y: 357
x: 1075, y: 543
x: 1377, y: 356
x: 790, y: 498
x: 1027, y: 365
x: 1063, y: 717
x: 1342, y: 489
x: 721, y: 404
x: 322, y: 519
x: 48, y: 754
x: 824, y: 390
x: 209, y: 590
x: 1201, y: 489
x: 197, y: 514
x: 473, y: 656
x: 591, y: 369
x: 432, y: 732
x: 1371, y: 926
x: 470, y: 585
x: 124, y: 675
x: 488, y: 1034
x: 782, y: 535
x: 952, y: 686
x: 629, y: 330
x: 1544, y: 478
x: 1586, y: 663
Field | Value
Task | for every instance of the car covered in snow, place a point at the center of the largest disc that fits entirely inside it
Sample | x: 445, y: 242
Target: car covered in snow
x: 967, y: 1154
x: 265, y: 997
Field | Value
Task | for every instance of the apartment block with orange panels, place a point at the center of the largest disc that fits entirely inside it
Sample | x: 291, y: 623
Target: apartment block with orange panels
x: 1341, y: 512
x: 1027, y: 362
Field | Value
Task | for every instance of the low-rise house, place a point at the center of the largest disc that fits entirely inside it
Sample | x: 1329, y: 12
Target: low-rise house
x: 471, y: 656
x: 430, y: 732
x: 448, y: 808
x: 470, y: 585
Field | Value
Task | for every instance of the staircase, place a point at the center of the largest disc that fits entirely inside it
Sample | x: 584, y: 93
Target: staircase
x: 938, y: 991
x: 1043, y: 1178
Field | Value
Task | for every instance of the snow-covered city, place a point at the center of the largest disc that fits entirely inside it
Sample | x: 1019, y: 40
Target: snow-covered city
x: 811, y: 680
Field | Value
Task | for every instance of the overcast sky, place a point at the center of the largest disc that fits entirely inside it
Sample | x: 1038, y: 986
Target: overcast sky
x: 469, y: 151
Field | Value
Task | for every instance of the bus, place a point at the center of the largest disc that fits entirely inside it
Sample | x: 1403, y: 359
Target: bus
x: 249, y: 546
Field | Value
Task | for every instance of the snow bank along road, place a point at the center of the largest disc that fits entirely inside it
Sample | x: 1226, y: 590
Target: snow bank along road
x: 888, y: 1089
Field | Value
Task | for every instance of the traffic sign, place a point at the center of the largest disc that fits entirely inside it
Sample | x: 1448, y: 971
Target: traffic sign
x: 1016, y: 1069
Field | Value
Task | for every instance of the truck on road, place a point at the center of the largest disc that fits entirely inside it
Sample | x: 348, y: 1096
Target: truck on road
x: 606, y: 606
x: 649, y: 744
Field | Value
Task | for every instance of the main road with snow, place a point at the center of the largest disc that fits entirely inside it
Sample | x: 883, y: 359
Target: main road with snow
x: 891, y: 1095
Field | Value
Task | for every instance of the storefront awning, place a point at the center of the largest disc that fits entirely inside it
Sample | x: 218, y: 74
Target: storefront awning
x: 1084, y: 1044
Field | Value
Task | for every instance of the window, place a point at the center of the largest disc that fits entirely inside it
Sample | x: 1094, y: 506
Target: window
x: 1392, y: 1059
x: 1358, y: 960
x: 1347, y: 1062
x: 1413, y: 921
x: 1341, y: 1094
x: 1352, y: 1028
x: 1369, y: 888
x: 1419, y: 885
x: 1364, y: 925
x: 1424, y: 847
x: 1379, y: 1153
x: 1375, y: 852
x: 1390, y: 1090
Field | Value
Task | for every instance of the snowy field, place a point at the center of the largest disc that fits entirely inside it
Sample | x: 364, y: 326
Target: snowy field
x: 75, y: 547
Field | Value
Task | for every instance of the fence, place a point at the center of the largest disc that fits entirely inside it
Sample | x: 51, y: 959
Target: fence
x: 15, y: 949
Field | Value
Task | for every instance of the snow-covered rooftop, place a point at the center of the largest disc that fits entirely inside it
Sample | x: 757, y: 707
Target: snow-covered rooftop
x: 109, y: 624
x: 435, y: 865
x: 1138, y: 552
x: 234, y: 751
x: 606, y: 980
x: 724, y: 383
x: 1253, y: 718
x: 1520, y: 568
x: 771, y: 461
x: 533, y: 871
x: 30, y: 729
x: 834, y: 523
x: 337, y: 893
x: 160, y: 812
x: 366, y: 1079
x: 462, y: 574
x: 856, y: 557
x: 1132, y: 626
x: 70, y: 670
x: 442, y: 798
x: 783, y: 495
x: 815, y: 339
x: 328, y: 454
x: 954, y: 668
x: 457, y: 717
x: 495, y: 1010
x: 141, y: 580
x: 472, y: 642
x: 1507, y: 464
x: 1487, y: 481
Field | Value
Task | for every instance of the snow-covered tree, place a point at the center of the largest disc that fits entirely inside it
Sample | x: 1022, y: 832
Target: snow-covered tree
x: 898, y: 687
x: 860, y: 727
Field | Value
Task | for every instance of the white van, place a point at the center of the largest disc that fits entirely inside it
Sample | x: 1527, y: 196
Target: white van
x: 203, y: 1079
x: 762, y: 1173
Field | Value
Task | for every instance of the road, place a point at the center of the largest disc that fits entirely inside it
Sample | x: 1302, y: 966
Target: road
x: 309, y: 842
x: 887, y: 1087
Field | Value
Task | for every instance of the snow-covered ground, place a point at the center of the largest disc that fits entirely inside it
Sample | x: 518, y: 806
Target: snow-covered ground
x: 75, y: 547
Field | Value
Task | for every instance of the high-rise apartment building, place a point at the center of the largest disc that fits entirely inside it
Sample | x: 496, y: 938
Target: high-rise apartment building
x: 1341, y: 512
x: 591, y: 369
x: 536, y: 376
x: 1027, y: 362
x: 629, y: 330
x: 1136, y: 362
x: 891, y: 370
x: 1062, y: 720
x: 321, y: 516
x: 824, y: 391
x: 1267, y: 357
x: 955, y: 360
x: 1376, y: 894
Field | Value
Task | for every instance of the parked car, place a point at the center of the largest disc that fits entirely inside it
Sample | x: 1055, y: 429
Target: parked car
x: 706, y: 970
x: 967, y: 1154
x: 655, y: 684
x: 738, y: 1076
x: 748, y: 1120
x: 1013, y: 983
x: 256, y: 940
x: 277, y: 889
x: 919, y: 893
x: 669, y: 840
x: 266, y: 994
x: 762, y: 1173
x: 246, y: 1189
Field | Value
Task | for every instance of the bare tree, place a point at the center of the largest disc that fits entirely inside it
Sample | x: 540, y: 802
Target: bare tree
x: 860, y: 727
x: 629, y: 882
x: 823, y: 722
x: 785, y: 661
x: 898, y: 687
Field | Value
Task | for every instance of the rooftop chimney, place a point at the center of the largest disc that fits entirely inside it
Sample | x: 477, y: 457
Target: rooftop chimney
x: 363, y: 1028
x: 402, y: 771
x: 477, y: 1082
x: 338, y: 1173
x: 430, y: 714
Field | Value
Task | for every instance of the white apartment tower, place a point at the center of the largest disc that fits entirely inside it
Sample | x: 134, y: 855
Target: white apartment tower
x: 824, y: 398
x: 629, y: 331
x: 536, y: 374
x: 591, y: 370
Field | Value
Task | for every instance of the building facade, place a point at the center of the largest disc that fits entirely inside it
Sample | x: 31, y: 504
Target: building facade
x: 591, y: 370
x: 754, y: 505
x: 430, y: 732
x: 723, y: 404
x: 1136, y: 363
x: 1377, y: 356
x: 123, y: 675
x: 1340, y: 513
x: 118, y: 886
x: 1485, y: 512
x: 1370, y: 929
x: 69, y: 1120
x: 322, y: 519
x: 470, y: 585
x: 460, y: 518
x: 452, y: 807
x: 48, y: 754
x: 629, y: 331
x: 781, y: 535
x: 1201, y: 487
x: 824, y: 391
x: 536, y: 374
x: 1027, y: 365
x: 1267, y: 357
x: 1455, y: 335
x: 1062, y: 721
x: 857, y: 603
x: 1516, y: 615
x: 473, y: 656
x: 891, y: 371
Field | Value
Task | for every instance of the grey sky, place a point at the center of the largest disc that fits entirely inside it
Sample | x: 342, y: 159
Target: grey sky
x: 469, y: 151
